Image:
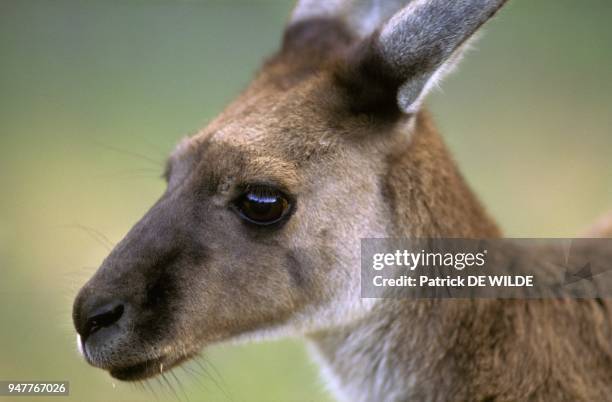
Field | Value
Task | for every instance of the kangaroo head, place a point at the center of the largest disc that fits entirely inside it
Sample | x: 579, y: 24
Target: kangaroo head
x: 258, y: 232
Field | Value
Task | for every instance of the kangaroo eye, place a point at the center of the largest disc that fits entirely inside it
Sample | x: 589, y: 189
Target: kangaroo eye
x: 262, y: 206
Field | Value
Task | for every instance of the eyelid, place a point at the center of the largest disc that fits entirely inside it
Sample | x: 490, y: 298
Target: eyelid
x: 263, y: 187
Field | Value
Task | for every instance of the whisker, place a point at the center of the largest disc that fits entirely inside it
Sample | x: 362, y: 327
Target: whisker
x: 170, y: 387
x: 134, y: 172
x: 194, y: 376
x: 95, y: 234
x: 151, y: 389
x: 157, y: 163
x: 179, y: 384
x: 214, y: 369
x: 220, y: 383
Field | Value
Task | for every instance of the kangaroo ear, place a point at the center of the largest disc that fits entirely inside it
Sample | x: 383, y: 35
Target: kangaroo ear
x: 403, y: 48
x: 324, y: 29
x: 360, y: 17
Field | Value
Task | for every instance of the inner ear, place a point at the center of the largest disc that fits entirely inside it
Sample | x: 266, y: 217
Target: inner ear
x: 390, y: 71
x: 367, y: 80
x: 323, y: 35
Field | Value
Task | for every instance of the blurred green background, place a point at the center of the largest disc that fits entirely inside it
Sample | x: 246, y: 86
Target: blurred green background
x: 94, y: 94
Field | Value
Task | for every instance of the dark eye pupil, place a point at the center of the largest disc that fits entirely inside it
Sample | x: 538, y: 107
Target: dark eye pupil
x: 263, y: 209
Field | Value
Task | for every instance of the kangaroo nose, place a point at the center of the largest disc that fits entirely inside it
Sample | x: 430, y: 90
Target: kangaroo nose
x: 99, y: 317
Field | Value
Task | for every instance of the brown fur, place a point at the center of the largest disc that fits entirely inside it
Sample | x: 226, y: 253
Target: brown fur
x: 191, y: 273
x: 475, y: 350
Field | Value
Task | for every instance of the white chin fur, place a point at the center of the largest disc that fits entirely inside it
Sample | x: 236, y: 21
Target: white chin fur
x: 80, y: 345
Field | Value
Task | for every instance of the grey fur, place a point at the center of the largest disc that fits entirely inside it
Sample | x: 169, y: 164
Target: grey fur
x: 362, y: 17
x: 418, y: 40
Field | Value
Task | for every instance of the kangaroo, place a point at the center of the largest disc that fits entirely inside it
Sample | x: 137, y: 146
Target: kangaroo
x: 257, y: 235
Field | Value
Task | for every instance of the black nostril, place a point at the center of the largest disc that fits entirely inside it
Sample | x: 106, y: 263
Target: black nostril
x: 104, y: 316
